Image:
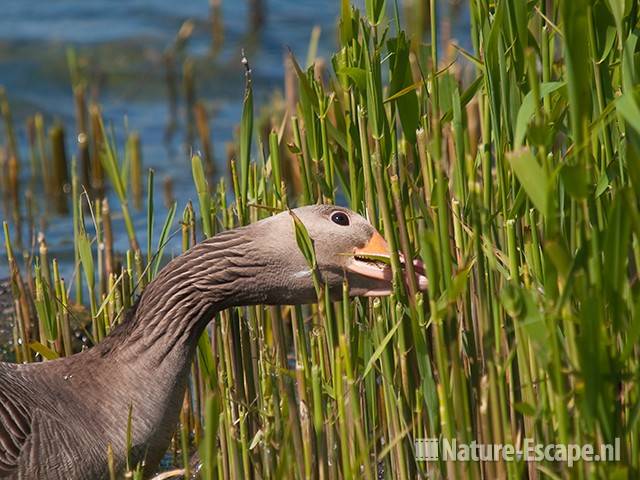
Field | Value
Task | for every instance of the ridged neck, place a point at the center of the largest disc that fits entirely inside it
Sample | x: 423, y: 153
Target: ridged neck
x: 175, y: 308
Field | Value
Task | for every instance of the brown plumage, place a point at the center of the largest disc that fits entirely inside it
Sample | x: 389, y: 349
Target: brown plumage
x: 57, y: 418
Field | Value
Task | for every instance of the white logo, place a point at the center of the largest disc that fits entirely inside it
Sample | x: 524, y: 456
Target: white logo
x: 433, y: 449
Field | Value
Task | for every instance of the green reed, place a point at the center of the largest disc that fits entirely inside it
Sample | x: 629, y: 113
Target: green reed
x: 511, y: 170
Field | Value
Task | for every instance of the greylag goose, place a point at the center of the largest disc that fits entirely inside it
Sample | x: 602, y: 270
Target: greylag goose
x: 57, y: 418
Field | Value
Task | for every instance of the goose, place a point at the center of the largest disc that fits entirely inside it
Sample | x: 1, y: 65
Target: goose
x: 57, y: 418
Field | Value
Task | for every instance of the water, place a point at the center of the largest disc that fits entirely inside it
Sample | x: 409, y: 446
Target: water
x: 121, y: 44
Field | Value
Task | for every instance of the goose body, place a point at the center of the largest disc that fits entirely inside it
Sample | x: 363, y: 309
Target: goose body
x: 66, y: 435
x: 59, y: 418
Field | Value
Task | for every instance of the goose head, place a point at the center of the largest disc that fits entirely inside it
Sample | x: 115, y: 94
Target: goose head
x: 347, y: 247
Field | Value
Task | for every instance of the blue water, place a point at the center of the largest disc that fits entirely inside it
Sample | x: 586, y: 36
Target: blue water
x: 123, y: 42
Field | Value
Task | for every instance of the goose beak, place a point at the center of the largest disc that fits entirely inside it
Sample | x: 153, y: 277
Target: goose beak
x: 372, y: 262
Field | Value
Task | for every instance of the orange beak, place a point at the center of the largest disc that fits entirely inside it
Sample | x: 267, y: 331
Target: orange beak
x: 377, y: 246
x: 365, y: 265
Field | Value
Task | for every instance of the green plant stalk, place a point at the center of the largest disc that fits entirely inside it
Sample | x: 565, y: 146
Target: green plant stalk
x: 354, y: 191
x: 63, y: 314
x: 366, y: 167
x: 305, y: 169
x: 274, y: 160
x: 204, y: 197
x: 302, y: 381
x: 41, y: 303
x: 393, y: 413
x: 327, y: 158
x: 345, y: 439
x: 184, y: 441
x: 356, y: 415
x: 115, y: 173
x: 150, y: 219
x: 246, y: 133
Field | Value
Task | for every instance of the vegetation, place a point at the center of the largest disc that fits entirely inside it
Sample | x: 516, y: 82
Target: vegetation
x: 512, y: 170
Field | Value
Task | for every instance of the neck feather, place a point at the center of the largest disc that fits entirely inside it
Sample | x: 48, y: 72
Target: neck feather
x: 175, y: 308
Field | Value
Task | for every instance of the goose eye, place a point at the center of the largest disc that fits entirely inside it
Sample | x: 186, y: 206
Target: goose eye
x: 340, y: 218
